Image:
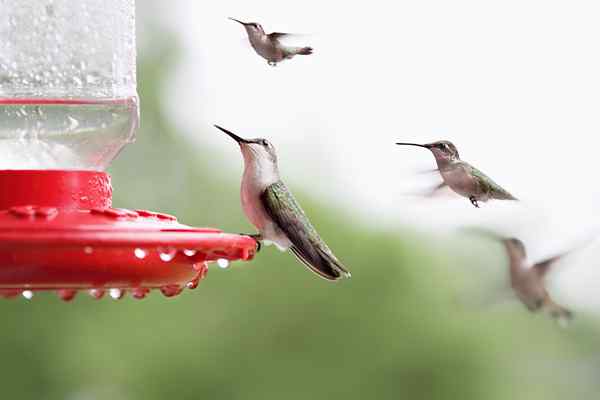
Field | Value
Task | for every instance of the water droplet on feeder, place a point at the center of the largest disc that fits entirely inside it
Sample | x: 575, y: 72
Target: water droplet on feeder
x: 116, y: 293
x: 67, y: 294
x: 140, y: 293
x: 193, y: 284
x: 140, y: 253
x: 88, y: 250
x: 171, y: 290
x: 167, y: 254
x: 189, y: 252
x: 96, y: 293
x: 223, y: 263
x: 28, y: 294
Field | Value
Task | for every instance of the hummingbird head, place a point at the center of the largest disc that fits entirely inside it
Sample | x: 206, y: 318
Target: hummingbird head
x: 258, y: 154
x: 253, y: 28
x: 444, y: 151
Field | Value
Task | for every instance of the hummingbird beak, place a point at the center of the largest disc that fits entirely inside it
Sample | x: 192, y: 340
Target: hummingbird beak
x: 233, y: 135
x: 237, y: 20
x: 414, y: 144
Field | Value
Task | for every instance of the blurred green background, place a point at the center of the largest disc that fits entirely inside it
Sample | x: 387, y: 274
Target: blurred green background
x: 408, y: 325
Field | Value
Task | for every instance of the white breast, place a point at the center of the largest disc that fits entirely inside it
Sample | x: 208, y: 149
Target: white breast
x: 258, y: 175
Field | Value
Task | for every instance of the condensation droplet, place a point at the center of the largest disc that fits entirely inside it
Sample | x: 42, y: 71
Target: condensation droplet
x: 140, y: 253
x: 96, y: 293
x: 223, y: 263
x: 67, y: 294
x: 193, y: 284
x: 167, y: 254
x: 189, y: 252
x: 28, y: 294
x: 115, y: 293
x: 171, y: 290
x: 88, y: 250
x: 140, y: 293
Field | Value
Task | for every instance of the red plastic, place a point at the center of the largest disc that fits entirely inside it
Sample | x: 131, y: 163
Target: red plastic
x: 63, y: 189
x: 62, y: 235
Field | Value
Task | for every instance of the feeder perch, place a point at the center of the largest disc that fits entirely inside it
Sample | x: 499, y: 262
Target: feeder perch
x: 63, y: 117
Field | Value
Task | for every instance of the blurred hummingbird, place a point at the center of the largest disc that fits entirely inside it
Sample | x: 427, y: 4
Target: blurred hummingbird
x: 268, y: 46
x: 527, y: 281
x: 461, y: 176
x: 273, y: 210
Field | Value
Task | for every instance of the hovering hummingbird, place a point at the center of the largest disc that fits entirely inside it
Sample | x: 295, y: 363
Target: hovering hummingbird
x: 527, y: 281
x: 273, y: 210
x: 269, y: 46
x: 461, y: 176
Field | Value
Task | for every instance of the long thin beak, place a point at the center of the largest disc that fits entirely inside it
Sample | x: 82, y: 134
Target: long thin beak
x: 232, y: 135
x: 237, y: 20
x: 414, y: 144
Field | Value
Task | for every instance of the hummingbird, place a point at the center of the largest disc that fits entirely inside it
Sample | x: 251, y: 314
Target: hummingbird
x: 527, y: 281
x: 269, y: 46
x: 273, y: 210
x: 461, y: 176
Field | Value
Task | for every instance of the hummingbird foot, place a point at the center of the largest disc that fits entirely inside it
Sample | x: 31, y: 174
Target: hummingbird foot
x: 474, y: 201
x: 257, y: 238
x: 272, y: 63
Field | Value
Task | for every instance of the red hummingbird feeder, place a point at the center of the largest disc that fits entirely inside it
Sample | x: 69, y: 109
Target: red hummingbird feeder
x: 63, y: 118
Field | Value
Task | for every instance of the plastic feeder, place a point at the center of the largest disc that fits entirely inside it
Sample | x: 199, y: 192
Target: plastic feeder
x: 64, y: 115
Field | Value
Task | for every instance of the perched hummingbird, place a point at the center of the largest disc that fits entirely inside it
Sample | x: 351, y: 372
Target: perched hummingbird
x: 527, y: 281
x: 273, y: 210
x: 461, y: 176
x: 269, y: 46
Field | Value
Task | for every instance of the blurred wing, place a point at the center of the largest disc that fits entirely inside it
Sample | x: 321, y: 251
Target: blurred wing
x: 279, y: 35
x: 427, y: 171
x: 307, y: 246
x: 436, y: 190
x: 288, y: 38
x: 543, y: 267
x: 496, y: 191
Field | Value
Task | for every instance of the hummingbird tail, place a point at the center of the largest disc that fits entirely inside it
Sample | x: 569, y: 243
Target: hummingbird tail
x: 559, y: 313
x: 305, y: 51
x: 322, y: 264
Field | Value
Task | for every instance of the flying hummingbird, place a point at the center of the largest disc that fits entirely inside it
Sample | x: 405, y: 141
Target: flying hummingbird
x: 461, y: 176
x: 269, y: 46
x: 273, y: 210
x: 527, y: 281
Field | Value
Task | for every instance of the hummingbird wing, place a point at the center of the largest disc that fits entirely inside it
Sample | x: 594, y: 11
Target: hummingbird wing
x: 278, y: 35
x: 543, y: 267
x: 307, y: 245
x: 489, y: 186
